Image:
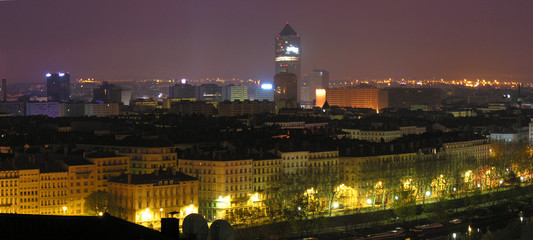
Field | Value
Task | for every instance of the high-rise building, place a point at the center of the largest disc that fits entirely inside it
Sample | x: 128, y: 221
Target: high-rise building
x: 233, y: 93
x: 210, y: 93
x: 182, y: 91
x: 58, y: 87
x: 317, y: 79
x: 285, y: 90
x: 107, y: 93
x: 288, y: 53
x: 265, y: 92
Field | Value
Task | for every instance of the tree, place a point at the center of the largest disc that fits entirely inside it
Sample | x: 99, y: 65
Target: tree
x: 100, y: 202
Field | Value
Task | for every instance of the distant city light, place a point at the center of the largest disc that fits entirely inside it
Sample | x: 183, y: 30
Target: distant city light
x: 183, y: 81
x: 61, y: 74
x: 266, y: 86
x: 48, y: 75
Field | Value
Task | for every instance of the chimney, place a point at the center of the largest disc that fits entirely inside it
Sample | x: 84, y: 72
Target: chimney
x: 4, y: 89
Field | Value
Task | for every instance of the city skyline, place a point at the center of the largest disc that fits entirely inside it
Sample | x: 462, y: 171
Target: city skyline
x: 182, y: 39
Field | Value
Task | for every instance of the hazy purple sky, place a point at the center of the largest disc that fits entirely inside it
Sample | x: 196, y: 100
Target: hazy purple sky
x: 137, y: 39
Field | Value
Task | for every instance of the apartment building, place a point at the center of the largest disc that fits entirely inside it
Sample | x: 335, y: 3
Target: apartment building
x: 145, y: 199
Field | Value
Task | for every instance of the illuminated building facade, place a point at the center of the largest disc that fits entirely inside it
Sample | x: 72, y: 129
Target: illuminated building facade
x: 145, y: 199
x: 50, y: 109
x: 364, y: 173
x: 232, y: 93
x: 288, y: 53
x: 224, y: 184
x: 58, y: 87
x: 356, y: 98
x: 144, y: 159
x: 57, y: 187
x: 108, y: 165
x: 265, y: 92
x: 320, y: 97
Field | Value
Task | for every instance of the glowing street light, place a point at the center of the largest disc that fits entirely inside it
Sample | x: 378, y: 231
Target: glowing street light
x: 428, y: 193
x: 369, y: 201
x: 335, y: 205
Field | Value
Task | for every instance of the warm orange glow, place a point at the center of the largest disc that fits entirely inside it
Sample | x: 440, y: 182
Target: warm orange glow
x: 320, y: 97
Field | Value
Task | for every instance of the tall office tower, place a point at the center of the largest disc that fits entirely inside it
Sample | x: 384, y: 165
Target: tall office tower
x: 265, y: 92
x: 58, y: 87
x: 4, y: 89
x: 209, y: 93
x: 288, y: 54
x: 232, y: 93
x: 182, y: 91
x: 285, y: 90
x: 107, y: 93
x: 318, y: 79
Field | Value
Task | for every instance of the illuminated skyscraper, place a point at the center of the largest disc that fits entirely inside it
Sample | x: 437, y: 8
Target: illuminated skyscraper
x: 58, y: 87
x: 288, y: 53
x: 285, y: 90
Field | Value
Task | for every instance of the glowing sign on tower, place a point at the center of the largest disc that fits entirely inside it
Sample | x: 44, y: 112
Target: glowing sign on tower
x: 292, y: 49
x: 266, y: 86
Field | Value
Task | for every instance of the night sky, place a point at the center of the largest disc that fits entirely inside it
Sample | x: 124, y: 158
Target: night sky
x: 134, y: 39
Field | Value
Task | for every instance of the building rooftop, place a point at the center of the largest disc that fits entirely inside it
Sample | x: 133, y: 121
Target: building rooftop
x: 153, y: 178
x: 22, y: 226
x: 287, y: 31
x: 101, y: 155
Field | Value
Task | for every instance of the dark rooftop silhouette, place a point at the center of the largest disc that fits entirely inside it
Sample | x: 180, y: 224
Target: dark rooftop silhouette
x: 22, y: 226
x: 287, y: 31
